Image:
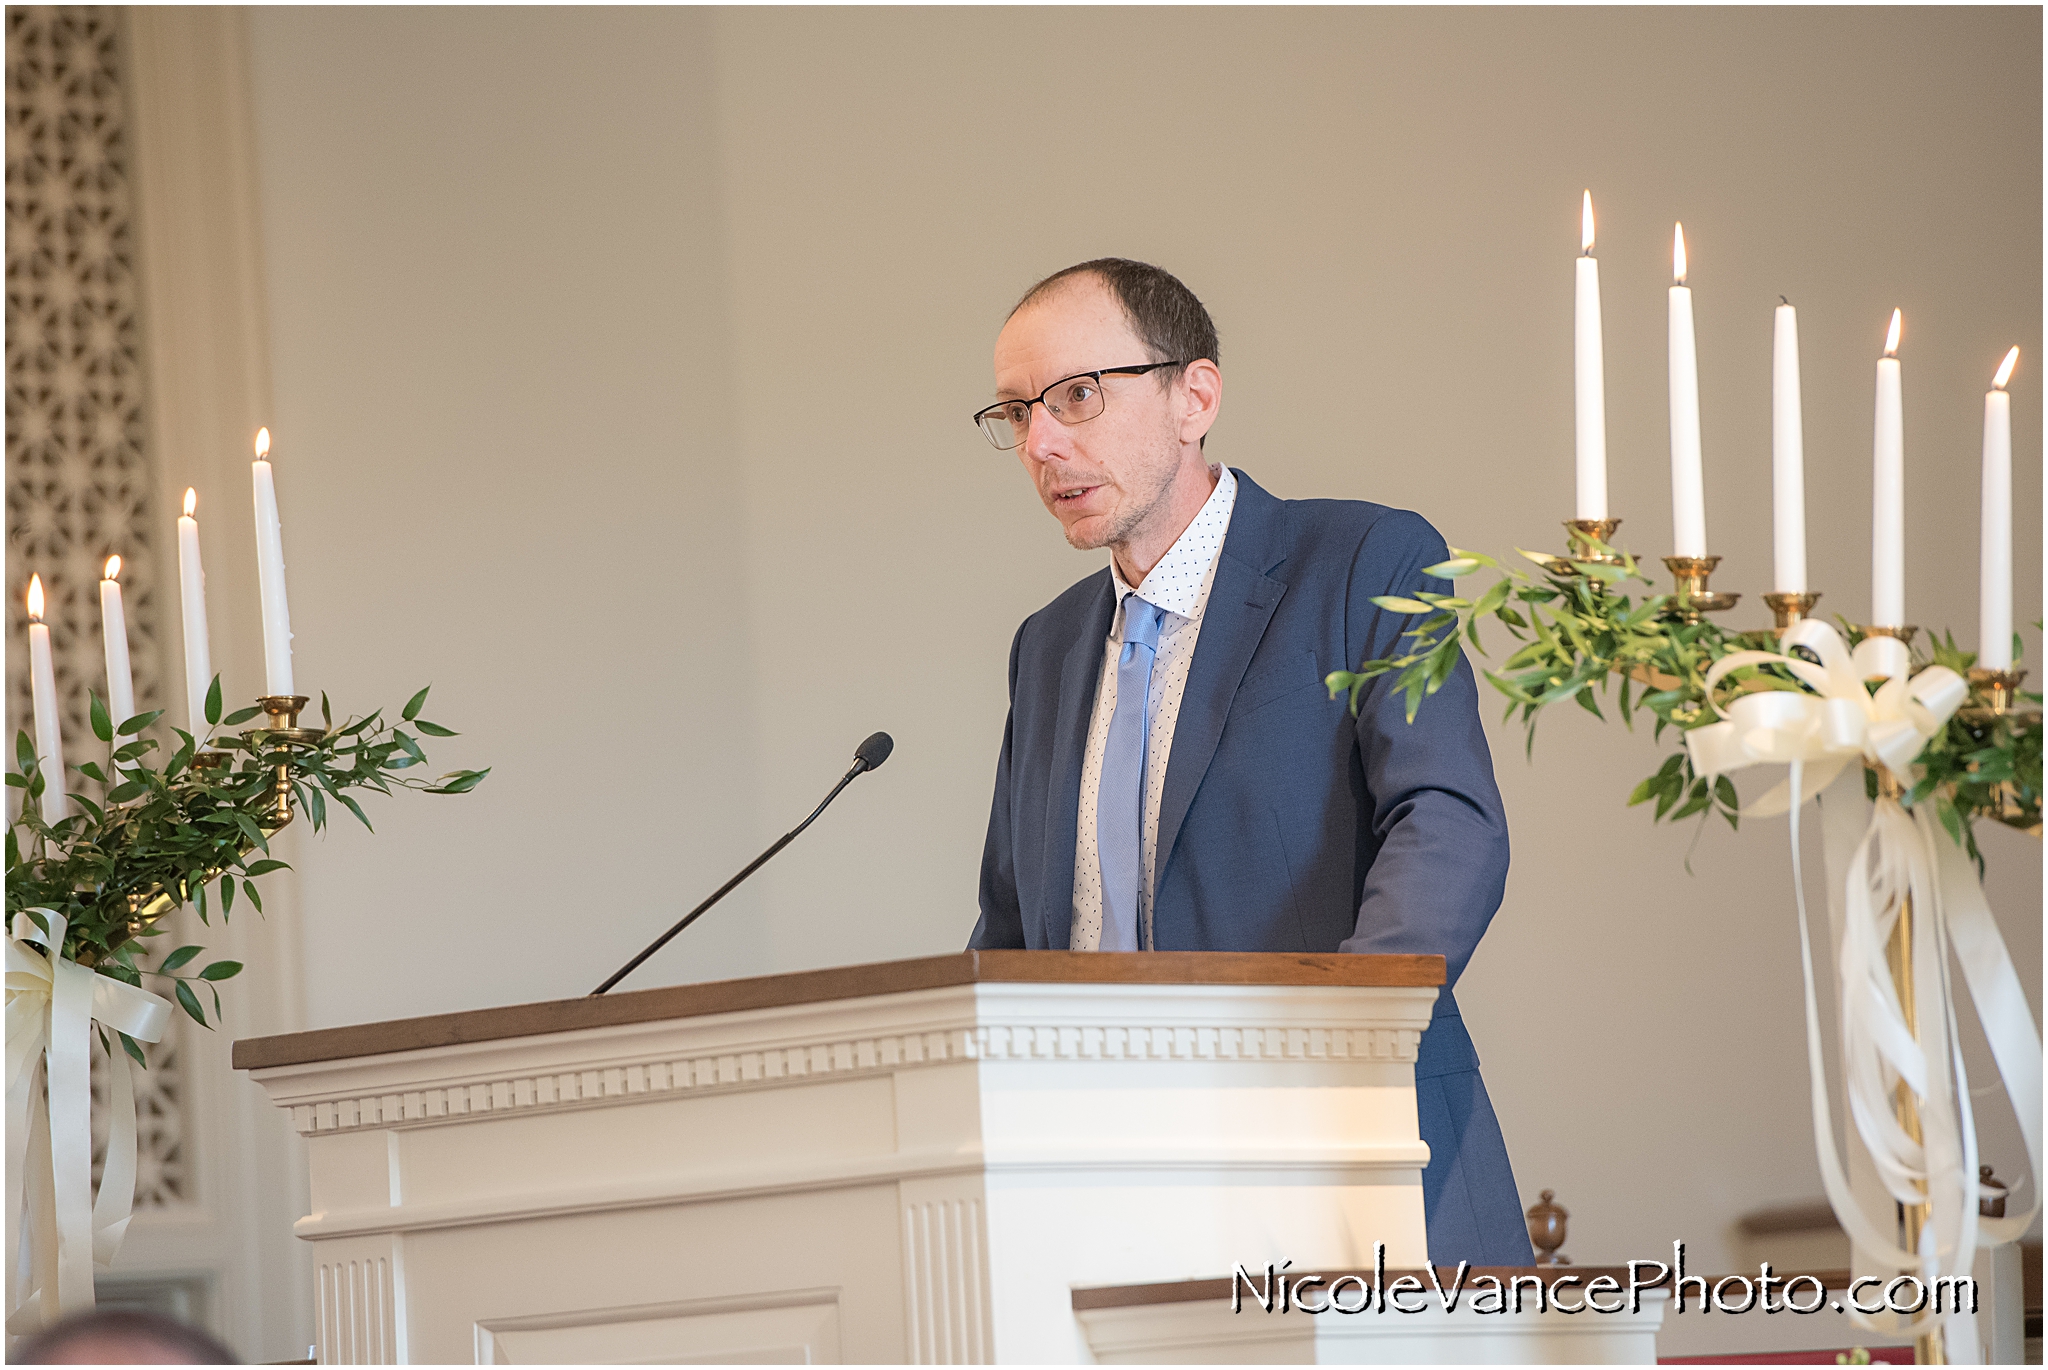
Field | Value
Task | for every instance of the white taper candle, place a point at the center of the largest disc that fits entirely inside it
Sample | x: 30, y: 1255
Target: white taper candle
x: 1788, y: 457
x: 114, y: 636
x: 42, y: 682
x: 1994, y: 586
x: 1688, y: 484
x: 277, y: 614
x: 1590, y: 384
x: 1888, y: 491
x: 192, y: 604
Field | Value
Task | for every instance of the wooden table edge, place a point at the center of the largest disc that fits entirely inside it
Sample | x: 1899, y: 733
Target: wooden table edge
x: 1331, y: 969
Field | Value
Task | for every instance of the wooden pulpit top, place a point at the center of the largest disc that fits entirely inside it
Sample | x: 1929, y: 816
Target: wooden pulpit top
x: 840, y: 982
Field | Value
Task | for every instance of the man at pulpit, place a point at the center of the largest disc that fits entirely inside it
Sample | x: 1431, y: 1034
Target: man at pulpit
x: 1173, y: 774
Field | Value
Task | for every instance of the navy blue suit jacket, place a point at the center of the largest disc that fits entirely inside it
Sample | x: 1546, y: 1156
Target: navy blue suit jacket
x: 1286, y: 824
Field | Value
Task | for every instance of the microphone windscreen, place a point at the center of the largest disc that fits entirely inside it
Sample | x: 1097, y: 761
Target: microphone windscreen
x: 873, y: 752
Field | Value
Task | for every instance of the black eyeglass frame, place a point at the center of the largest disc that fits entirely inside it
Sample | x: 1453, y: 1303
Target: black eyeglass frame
x: 1098, y: 374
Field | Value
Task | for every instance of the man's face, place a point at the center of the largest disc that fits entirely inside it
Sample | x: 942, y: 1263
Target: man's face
x: 1101, y: 479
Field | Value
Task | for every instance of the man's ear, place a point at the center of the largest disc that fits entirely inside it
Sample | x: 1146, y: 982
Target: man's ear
x: 1202, y: 385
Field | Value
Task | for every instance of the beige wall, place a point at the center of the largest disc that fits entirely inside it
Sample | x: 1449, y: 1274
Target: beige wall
x: 622, y: 363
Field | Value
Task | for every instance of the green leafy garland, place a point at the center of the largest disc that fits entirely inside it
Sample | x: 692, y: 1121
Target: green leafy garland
x: 158, y: 836
x: 1584, y: 636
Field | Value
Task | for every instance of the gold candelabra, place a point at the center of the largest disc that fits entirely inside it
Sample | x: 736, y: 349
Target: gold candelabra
x: 276, y: 738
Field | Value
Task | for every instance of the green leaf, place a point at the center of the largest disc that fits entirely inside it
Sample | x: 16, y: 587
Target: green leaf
x: 326, y: 713
x: 414, y: 705
x: 96, y: 710
x: 264, y: 867
x: 240, y: 716
x: 434, y: 729
x: 249, y: 888
x: 250, y: 830
x: 129, y: 1045
x: 189, y: 1002
x: 213, y: 701
x: 178, y: 958
x: 462, y: 782
x: 221, y: 970
x: 1641, y: 793
x: 136, y: 724
x: 24, y: 752
x: 357, y: 809
x: 227, y: 895
x: 1452, y: 569
x: 1950, y: 819
x: 1400, y: 605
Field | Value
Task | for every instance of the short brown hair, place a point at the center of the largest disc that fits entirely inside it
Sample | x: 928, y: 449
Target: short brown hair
x: 1164, y: 313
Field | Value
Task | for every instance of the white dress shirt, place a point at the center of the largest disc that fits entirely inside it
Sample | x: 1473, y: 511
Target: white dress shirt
x: 1178, y: 585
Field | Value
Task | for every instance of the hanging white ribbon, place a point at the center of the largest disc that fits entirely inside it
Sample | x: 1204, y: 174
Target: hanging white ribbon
x: 56, y: 1229
x: 1898, y: 856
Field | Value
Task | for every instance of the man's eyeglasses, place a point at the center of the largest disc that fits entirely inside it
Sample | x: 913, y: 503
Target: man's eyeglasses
x: 1076, y: 399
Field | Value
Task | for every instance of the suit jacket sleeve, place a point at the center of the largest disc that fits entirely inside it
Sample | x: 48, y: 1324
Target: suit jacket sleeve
x: 1002, y: 920
x: 1434, y: 810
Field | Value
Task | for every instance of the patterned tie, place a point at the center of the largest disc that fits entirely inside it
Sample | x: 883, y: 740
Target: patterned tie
x: 1120, y: 803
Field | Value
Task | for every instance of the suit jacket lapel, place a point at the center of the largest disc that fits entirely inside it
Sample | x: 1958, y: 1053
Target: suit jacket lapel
x: 1078, y: 679
x: 1242, y: 599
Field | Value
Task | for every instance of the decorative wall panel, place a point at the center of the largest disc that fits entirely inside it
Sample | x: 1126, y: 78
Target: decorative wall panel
x: 79, y: 482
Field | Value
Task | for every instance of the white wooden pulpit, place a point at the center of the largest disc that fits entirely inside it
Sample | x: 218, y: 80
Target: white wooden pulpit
x: 913, y: 1161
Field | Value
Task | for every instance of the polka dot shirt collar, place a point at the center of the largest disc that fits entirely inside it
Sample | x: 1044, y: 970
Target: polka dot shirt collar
x: 1178, y: 583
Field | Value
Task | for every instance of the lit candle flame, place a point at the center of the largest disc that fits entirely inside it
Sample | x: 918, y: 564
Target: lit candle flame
x: 1891, y: 337
x: 262, y: 444
x: 113, y: 568
x: 2012, y: 359
x: 1678, y: 253
x: 35, y: 599
x: 1586, y: 226
x: 191, y: 501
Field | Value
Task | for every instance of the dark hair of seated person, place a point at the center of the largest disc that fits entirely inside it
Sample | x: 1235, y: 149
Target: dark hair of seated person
x: 121, y: 1336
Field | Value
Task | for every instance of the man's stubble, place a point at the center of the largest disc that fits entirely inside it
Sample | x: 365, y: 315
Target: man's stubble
x: 1133, y: 514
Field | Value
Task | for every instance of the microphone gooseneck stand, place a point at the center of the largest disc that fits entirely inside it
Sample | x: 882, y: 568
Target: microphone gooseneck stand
x: 871, y: 755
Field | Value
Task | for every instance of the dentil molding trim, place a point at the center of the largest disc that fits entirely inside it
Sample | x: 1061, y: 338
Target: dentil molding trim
x: 768, y: 1066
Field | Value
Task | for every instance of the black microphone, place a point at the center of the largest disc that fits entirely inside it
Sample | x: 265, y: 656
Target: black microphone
x: 868, y: 756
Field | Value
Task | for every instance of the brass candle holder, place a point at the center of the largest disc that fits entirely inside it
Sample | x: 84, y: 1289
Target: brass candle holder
x: 2000, y: 692
x: 1789, y: 608
x: 1585, y: 540
x: 279, y: 737
x: 1995, y: 695
x: 1903, y: 632
x: 1694, y: 598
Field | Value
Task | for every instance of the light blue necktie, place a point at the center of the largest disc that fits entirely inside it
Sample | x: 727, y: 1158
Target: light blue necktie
x: 1120, y: 803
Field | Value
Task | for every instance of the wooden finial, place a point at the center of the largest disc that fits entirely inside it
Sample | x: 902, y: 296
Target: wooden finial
x: 1546, y: 1230
x: 1993, y: 1205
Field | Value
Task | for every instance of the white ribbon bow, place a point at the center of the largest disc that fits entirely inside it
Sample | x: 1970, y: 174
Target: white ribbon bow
x: 56, y: 1231
x: 1898, y: 855
x: 1838, y: 724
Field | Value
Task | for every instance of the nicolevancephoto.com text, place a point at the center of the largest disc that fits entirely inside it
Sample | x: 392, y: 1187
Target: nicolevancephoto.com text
x: 1274, y: 1290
